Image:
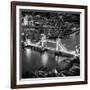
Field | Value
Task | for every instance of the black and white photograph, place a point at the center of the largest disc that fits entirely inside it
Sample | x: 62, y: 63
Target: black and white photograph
x: 49, y: 44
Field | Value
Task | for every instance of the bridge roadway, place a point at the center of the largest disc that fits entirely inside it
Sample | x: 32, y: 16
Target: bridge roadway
x: 62, y: 52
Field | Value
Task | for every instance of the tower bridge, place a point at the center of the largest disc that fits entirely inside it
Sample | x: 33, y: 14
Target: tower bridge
x: 58, y: 48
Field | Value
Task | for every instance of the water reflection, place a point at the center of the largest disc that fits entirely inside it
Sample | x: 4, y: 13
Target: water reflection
x: 44, y: 58
x: 32, y: 60
x: 28, y: 53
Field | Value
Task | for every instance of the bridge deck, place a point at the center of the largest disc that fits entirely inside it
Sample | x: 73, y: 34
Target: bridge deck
x: 50, y: 50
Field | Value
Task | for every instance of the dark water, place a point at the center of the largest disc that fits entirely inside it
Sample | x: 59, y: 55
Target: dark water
x: 32, y: 60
